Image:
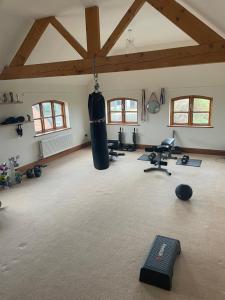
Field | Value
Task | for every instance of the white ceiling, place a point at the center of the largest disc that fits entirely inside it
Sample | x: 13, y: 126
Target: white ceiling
x: 150, y: 29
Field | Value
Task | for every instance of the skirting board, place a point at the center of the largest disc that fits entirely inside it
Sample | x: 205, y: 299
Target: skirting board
x: 53, y: 157
x: 193, y: 150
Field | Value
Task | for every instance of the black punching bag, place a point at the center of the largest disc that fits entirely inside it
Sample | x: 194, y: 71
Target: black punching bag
x: 96, y: 106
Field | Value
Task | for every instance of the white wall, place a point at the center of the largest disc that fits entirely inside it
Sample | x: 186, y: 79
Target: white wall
x: 205, y: 80
x: 32, y: 91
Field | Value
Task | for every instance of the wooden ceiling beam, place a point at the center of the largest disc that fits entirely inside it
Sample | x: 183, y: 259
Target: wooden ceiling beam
x: 30, y: 42
x: 68, y: 37
x: 186, y: 21
x: 93, y: 30
x: 192, y: 55
x: 121, y: 27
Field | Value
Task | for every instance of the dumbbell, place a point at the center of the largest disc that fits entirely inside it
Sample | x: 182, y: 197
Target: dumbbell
x: 185, y: 159
x: 152, y: 157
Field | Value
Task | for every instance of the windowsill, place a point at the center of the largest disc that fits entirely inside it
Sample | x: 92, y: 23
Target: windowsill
x: 124, y: 124
x: 50, y: 132
x: 188, y: 126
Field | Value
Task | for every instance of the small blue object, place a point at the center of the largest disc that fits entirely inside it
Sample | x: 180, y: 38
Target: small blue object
x: 158, y: 268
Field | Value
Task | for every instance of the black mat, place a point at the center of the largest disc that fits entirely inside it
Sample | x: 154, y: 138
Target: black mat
x: 144, y: 157
x: 190, y: 163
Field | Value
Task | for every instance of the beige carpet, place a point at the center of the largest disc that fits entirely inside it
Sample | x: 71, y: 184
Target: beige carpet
x: 77, y: 233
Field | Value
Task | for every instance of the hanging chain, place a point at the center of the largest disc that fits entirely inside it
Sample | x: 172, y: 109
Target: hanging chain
x: 96, y: 86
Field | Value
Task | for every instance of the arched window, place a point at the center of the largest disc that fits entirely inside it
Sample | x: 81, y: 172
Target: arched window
x: 192, y: 111
x: 122, y: 111
x: 49, y: 116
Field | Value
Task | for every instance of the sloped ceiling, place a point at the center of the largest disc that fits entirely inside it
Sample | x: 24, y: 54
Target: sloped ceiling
x: 150, y: 29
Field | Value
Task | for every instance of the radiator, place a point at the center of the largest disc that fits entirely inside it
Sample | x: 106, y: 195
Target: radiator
x: 55, y: 145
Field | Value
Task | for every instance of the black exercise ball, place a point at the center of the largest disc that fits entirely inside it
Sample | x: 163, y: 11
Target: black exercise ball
x: 184, y: 192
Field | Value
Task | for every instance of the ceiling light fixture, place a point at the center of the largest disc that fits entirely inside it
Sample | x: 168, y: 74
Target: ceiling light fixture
x: 130, y: 46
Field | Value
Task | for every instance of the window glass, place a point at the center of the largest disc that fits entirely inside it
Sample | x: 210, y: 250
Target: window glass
x: 201, y: 118
x: 131, y: 117
x: 181, y: 118
x: 47, y: 109
x: 181, y: 105
x: 116, y: 105
x: 37, y: 125
x: 130, y: 105
x: 123, y: 111
x: 201, y: 105
x: 58, y: 109
x: 48, y: 123
x: 36, y: 111
x: 116, y: 117
x: 59, y: 121
x: 48, y: 116
x: 191, y: 111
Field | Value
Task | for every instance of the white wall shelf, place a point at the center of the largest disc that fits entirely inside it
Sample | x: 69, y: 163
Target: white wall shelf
x: 16, y: 124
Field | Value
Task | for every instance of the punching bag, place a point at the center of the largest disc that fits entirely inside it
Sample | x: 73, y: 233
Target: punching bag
x: 96, y: 107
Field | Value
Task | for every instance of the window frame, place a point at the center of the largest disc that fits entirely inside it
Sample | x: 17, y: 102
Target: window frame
x: 123, y: 111
x: 190, y: 111
x: 53, y: 116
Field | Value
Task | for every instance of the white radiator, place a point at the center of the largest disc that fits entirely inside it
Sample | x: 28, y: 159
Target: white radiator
x: 55, y: 145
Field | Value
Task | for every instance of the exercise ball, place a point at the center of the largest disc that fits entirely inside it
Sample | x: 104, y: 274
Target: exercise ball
x: 184, y: 192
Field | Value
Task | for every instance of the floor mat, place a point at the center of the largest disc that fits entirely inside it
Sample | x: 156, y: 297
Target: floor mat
x: 190, y: 163
x: 144, y: 157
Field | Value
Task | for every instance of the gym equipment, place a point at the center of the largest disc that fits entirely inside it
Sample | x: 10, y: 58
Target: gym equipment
x: 158, y: 268
x: 143, y: 106
x: 184, y: 159
x: 190, y: 162
x: 144, y: 157
x: 127, y: 147
x: 30, y: 173
x: 153, y: 105
x: 157, y: 159
x: 184, y: 192
x: 169, y: 142
x: 112, y: 146
x: 37, y: 171
x: 175, y: 149
x: 19, y: 130
x: 96, y: 107
x: 162, y: 96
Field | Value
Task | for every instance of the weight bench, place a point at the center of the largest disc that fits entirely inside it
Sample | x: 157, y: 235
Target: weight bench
x: 169, y: 143
x: 158, y: 160
x: 158, y: 268
x: 113, y: 154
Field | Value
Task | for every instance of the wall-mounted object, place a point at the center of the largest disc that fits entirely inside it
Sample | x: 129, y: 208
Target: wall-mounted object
x: 162, y: 96
x: 19, y: 130
x: 143, y: 106
x: 9, y: 98
x: 153, y: 105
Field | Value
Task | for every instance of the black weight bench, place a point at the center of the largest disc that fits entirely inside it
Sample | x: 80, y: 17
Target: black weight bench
x: 158, y: 159
x: 158, y: 268
x: 169, y: 143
